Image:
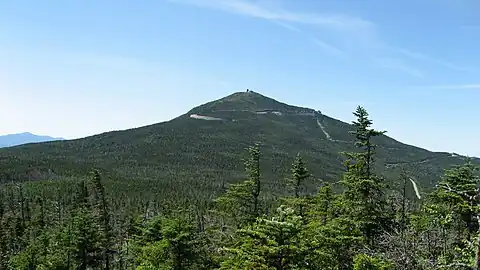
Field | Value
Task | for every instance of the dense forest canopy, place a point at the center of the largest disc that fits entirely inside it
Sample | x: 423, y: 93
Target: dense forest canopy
x: 361, y: 220
x: 190, y: 158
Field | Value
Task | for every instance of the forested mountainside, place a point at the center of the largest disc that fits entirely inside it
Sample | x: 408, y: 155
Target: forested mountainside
x: 197, y: 154
x: 369, y: 223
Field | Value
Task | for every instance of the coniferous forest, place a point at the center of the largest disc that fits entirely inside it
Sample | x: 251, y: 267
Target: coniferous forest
x: 362, y: 221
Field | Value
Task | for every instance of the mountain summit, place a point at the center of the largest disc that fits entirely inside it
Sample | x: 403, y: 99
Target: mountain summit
x: 246, y: 101
x: 203, y: 149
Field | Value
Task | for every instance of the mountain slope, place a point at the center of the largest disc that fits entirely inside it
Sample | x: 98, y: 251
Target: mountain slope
x: 197, y: 153
x: 24, y: 138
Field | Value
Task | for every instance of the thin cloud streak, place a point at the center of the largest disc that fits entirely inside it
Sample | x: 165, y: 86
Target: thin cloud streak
x: 324, y: 45
x: 451, y: 87
x: 426, y: 58
x: 398, y: 64
x: 284, y: 19
x: 354, y: 30
x: 253, y: 10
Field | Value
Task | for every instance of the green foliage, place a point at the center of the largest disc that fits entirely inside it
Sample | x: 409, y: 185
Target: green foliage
x: 269, y: 243
x: 168, y: 243
x: 296, y: 183
x: 186, y: 159
x: 365, y: 192
x: 139, y: 215
x: 241, y: 201
x: 365, y: 262
x: 299, y: 175
x: 462, y: 203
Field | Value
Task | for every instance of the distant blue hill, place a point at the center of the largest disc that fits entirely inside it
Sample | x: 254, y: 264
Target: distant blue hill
x: 23, y: 138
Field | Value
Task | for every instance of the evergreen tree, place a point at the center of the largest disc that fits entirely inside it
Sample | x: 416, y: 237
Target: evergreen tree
x: 331, y: 237
x: 100, y: 209
x: 299, y: 175
x: 462, y: 179
x: 459, y: 193
x: 252, y: 166
x: 169, y: 243
x: 274, y: 243
x: 364, y: 195
x: 241, y: 201
x: 297, y: 185
x: 366, y: 262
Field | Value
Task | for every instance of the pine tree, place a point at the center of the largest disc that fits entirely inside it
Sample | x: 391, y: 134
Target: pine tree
x: 84, y: 240
x: 459, y: 194
x: 252, y: 166
x: 169, y: 243
x: 364, y: 194
x: 274, y: 243
x: 297, y: 185
x: 331, y: 237
x: 299, y: 175
x: 241, y: 201
x: 102, y: 215
x: 460, y: 178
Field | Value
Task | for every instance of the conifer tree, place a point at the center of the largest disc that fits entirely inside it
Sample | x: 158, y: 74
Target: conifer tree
x: 169, y: 243
x: 274, y: 243
x: 364, y: 194
x: 241, y: 201
x: 299, y: 175
x: 459, y: 192
x: 331, y: 237
x: 101, y: 211
x: 252, y: 166
x: 296, y: 182
x: 461, y: 178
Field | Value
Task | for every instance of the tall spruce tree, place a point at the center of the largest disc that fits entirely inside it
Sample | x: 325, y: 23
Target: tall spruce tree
x: 299, y: 175
x: 241, y: 201
x: 364, y: 195
x: 100, y: 209
x: 459, y: 194
x: 252, y: 166
x: 296, y: 183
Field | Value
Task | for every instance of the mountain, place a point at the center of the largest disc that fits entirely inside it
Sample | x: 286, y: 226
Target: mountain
x: 24, y: 138
x: 196, y: 154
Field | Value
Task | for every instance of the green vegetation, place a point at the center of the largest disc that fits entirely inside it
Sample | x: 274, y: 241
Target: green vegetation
x: 188, y: 159
x: 149, y: 206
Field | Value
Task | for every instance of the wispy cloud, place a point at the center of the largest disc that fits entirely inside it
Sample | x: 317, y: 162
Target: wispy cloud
x: 451, y: 87
x: 426, y: 58
x: 357, y: 35
x: 400, y: 65
x: 329, y: 48
x: 251, y: 9
x: 286, y: 19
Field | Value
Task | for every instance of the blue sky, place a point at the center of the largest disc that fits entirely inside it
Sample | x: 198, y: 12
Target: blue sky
x: 77, y: 68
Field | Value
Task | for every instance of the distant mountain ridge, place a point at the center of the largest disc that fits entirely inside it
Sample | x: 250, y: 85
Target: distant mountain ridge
x: 24, y: 138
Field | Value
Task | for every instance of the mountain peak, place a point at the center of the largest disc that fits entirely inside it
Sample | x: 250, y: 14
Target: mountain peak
x: 247, y: 101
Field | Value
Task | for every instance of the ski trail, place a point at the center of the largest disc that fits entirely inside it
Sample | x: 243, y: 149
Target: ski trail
x: 391, y: 165
x: 202, y: 117
x: 324, y: 131
x: 417, y: 192
x: 388, y: 165
x: 327, y: 136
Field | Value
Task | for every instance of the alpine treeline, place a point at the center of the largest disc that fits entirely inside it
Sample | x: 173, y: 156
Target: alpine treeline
x: 361, y: 222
